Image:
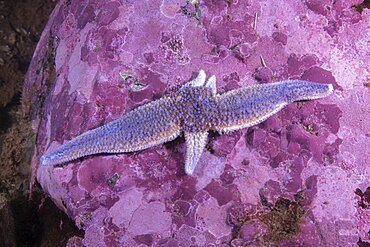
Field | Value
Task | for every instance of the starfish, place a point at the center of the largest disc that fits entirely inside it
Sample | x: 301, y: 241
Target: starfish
x: 195, y: 109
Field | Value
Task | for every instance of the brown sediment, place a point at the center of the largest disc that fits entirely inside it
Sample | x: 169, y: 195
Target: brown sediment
x: 25, y: 221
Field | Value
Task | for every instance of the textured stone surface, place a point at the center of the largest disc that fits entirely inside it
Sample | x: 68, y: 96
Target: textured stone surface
x: 299, y: 178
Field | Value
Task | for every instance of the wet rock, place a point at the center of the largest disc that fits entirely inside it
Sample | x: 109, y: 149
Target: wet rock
x: 304, y: 163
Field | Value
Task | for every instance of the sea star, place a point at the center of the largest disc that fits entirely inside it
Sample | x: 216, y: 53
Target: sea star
x: 194, y: 110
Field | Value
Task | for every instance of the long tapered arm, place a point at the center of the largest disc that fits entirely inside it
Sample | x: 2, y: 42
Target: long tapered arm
x: 144, y: 127
x: 251, y: 105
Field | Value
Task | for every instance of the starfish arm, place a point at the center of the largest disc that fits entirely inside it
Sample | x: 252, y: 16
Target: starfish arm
x: 211, y: 83
x: 198, y: 81
x: 252, y: 105
x: 144, y: 127
x: 195, y: 143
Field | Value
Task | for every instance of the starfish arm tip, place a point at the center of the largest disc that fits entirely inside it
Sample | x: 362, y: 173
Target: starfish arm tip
x: 211, y: 83
x: 52, y: 158
x: 201, y: 78
x: 331, y: 88
x: 43, y: 160
x: 189, y: 168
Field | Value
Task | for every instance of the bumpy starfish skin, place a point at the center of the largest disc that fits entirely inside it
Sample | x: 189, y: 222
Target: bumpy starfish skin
x: 195, y: 110
x: 144, y: 127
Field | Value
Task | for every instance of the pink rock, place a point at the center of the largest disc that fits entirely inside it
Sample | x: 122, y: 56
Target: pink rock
x: 252, y: 231
x: 149, y: 219
x: 99, y: 59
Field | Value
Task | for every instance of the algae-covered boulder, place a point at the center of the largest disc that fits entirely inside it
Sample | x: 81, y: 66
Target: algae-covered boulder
x: 299, y: 178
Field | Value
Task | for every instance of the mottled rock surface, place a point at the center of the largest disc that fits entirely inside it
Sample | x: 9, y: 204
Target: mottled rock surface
x: 299, y: 178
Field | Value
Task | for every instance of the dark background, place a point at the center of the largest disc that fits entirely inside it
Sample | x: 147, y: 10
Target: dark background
x: 26, y: 219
